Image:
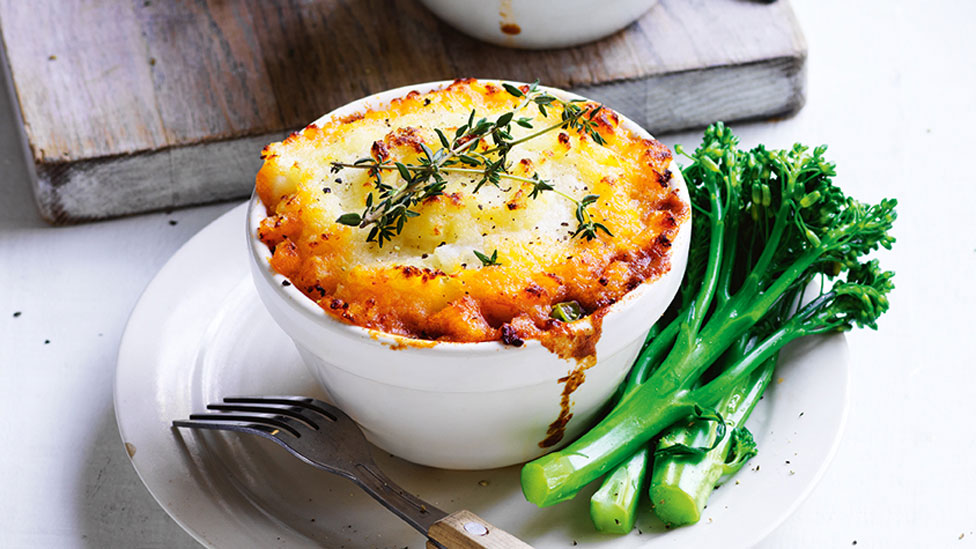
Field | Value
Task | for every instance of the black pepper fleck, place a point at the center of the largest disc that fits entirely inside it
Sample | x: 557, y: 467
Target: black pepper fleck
x: 47, y: 341
x: 16, y: 314
x: 285, y: 283
x: 173, y: 222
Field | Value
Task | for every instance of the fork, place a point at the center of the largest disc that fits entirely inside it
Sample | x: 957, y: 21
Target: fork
x: 325, y: 437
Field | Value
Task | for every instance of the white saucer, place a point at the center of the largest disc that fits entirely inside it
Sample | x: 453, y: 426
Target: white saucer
x: 199, y: 333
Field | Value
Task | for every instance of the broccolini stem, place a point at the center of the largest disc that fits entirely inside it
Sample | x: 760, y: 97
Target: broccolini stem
x: 613, y: 508
x: 702, y: 302
x: 690, y: 322
x: 559, y: 476
x: 732, y: 221
x: 652, y: 354
x: 713, y: 391
x: 680, y: 485
x: 748, y: 306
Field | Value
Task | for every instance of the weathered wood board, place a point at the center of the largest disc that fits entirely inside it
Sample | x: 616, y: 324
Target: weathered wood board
x: 135, y: 105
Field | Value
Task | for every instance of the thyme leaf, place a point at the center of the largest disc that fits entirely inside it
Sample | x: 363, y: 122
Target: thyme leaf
x: 487, y: 260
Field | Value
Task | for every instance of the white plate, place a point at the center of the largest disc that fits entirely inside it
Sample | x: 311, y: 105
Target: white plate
x: 199, y: 333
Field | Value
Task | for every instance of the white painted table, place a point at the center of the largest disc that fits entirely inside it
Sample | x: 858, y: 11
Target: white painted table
x: 892, y: 89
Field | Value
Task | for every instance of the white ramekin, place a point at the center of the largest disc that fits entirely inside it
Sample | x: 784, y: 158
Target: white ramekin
x: 458, y: 405
x: 538, y: 24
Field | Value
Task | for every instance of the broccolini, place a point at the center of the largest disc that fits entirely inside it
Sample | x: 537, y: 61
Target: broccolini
x: 766, y: 223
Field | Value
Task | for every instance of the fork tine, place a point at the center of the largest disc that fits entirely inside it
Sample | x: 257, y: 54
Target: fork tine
x: 238, y: 426
x: 264, y: 409
x: 270, y: 420
x: 269, y: 432
x: 313, y: 404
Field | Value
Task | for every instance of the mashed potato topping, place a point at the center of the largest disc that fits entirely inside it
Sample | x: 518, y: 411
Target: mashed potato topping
x: 427, y: 283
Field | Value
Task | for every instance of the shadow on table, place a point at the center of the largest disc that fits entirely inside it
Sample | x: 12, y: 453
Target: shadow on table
x: 114, y: 508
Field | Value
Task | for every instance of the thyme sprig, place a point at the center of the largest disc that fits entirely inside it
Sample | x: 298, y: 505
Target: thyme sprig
x: 487, y: 260
x: 389, y: 207
x: 587, y: 228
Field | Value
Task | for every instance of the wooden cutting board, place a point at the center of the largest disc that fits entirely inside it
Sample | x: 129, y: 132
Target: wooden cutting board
x: 134, y: 105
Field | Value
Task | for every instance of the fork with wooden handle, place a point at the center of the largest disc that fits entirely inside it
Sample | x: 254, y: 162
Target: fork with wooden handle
x: 323, y: 436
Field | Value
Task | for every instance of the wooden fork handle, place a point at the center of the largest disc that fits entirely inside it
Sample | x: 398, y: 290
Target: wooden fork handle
x: 466, y: 530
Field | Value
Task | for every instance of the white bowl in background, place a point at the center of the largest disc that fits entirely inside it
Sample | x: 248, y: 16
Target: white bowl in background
x: 458, y: 405
x: 538, y: 24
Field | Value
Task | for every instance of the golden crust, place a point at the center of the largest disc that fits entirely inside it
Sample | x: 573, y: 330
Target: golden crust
x: 426, y: 283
